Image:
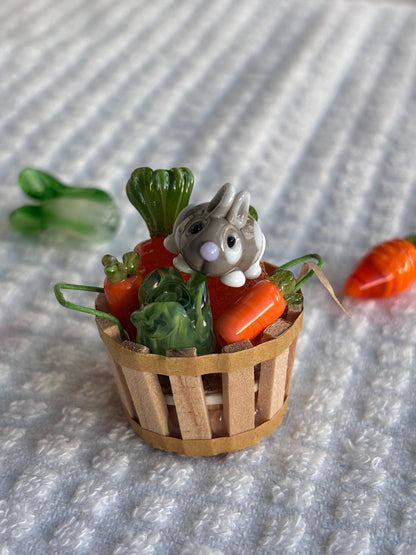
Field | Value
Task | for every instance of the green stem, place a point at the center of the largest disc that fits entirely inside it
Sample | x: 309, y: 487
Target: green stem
x: 411, y: 239
x: 319, y: 260
x: 67, y: 304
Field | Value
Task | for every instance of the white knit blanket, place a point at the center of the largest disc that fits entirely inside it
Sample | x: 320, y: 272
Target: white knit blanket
x: 311, y: 106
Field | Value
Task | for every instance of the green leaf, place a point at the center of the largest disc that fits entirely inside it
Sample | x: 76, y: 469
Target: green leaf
x: 118, y: 271
x: 162, y: 326
x: 162, y: 285
x: 39, y: 185
x: 253, y: 213
x: 159, y: 196
x: 28, y: 219
x: 174, y: 314
x: 285, y: 281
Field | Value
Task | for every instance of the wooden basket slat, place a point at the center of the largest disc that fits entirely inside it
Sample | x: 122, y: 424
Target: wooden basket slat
x: 290, y: 364
x: 189, y: 397
x: 112, y: 332
x: 148, y: 399
x: 273, y: 375
x: 123, y: 388
x: 272, y: 383
x: 238, y: 395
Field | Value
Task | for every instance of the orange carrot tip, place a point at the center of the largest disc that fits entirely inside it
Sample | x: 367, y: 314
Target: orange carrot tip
x: 387, y: 269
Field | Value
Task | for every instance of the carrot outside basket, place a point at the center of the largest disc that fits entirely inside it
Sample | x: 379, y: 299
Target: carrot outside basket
x: 204, y: 405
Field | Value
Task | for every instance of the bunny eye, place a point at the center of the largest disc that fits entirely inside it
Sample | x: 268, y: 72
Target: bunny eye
x: 196, y: 228
x: 231, y: 241
x: 233, y: 248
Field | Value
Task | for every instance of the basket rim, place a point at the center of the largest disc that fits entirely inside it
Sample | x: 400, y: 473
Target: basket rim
x: 194, y: 366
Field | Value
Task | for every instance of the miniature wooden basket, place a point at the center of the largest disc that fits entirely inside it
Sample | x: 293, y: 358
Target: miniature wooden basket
x: 209, y: 404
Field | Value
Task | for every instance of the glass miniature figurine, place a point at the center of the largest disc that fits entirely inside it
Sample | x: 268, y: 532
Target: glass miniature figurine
x: 219, y: 238
x: 174, y: 314
x: 86, y: 212
x: 387, y: 269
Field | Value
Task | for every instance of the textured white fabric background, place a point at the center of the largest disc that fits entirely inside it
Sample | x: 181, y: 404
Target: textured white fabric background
x: 311, y: 105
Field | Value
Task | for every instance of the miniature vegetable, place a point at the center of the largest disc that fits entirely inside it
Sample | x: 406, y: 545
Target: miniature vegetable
x: 86, y: 212
x: 388, y: 269
x: 121, y: 287
x: 159, y: 196
x: 173, y: 314
x: 222, y: 296
x: 261, y: 304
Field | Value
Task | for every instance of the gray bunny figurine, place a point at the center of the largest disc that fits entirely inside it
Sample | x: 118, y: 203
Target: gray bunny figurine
x: 219, y: 238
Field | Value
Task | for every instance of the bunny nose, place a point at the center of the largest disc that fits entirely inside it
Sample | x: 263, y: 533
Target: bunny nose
x: 209, y: 251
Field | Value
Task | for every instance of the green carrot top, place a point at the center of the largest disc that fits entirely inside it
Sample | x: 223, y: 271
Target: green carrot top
x: 159, y: 196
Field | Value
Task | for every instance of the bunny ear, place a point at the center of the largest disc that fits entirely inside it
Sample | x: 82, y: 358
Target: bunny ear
x: 238, y: 213
x: 222, y: 202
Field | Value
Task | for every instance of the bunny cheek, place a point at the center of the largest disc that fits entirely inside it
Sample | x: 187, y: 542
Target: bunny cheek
x: 233, y: 254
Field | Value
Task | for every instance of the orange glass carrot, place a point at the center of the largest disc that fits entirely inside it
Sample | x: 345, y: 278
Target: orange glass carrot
x: 153, y: 255
x: 222, y: 296
x: 121, y: 287
x: 263, y: 302
x: 258, y: 307
x: 388, y: 269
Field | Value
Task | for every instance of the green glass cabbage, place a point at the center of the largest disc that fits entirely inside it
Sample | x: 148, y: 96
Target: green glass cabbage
x: 174, y: 314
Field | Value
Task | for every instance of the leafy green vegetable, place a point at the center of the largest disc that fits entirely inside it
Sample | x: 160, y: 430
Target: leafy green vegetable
x: 84, y: 211
x: 173, y: 314
x: 40, y: 185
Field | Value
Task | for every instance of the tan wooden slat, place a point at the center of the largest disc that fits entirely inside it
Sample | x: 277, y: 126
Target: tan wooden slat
x: 147, y: 396
x: 148, y: 400
x: 272, y: 385
x: 112, y: 331
x: 290, y: 364
x: 292, y: 312
x: 238, y: 394
x: 123, y: 388
x: 189, y: 397
x: 273, y: 375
